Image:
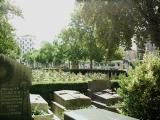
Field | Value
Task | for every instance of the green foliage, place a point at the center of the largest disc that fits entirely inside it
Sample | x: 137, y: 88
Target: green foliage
x: 82, y: 41
x: 46, y: 53
x: 149, y: 19
x: 43, y: 77
x: 77, y: 42
x: 136, y: 63
x: 117, y: 55
x: 7, y: 39
x: 112, y: 22
x: 73, y: 42
x: 31, y: 57
x: 141, y: 90
x: 36, y: 111
x: 117, y: 21
x: 115, y: 84
x: 49, y: 53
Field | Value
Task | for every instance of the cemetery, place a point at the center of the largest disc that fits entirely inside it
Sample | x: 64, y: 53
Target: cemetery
x: 18, y: 103
x: 80, y: 60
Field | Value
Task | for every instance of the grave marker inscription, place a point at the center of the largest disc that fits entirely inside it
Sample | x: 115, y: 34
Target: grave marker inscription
x: 14, y: 90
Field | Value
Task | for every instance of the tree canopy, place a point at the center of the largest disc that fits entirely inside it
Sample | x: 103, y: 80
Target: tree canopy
x: 83, y: 41
x: 7, y: 39
x: 117, y: 21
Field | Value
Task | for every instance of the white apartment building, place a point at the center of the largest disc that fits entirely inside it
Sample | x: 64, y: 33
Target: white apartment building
x: 26, y: 43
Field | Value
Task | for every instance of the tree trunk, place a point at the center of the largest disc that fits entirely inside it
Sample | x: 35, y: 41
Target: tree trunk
x: 75, y: 65
x: 91, y: 64
x: 69, y: 65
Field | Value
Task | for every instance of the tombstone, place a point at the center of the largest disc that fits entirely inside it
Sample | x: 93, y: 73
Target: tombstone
x: 71, y: 99
x: 68, y: 100
x: 14, y: 90
x: 37, y: 102
x: 101, y: 93
x: 99, y: 85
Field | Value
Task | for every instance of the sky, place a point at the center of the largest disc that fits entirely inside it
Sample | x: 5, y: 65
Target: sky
x: 43, y: 19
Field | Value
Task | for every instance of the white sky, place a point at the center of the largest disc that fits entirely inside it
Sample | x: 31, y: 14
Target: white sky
x: 43, y: 19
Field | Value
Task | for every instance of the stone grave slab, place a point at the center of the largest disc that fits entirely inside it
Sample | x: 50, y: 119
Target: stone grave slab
x: 71, y: 99
x: 58, y: 110
x: 37, y: 102
x: 100, y: 90
x: 94, y: 114
x: 15, y: 80
x: 39, y: 105
x: 107, y: 96
x: 66, y: 100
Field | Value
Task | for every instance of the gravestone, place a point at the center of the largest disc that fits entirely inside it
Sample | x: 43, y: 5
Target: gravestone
x: 37, y: 102
x: 68, y: 100
x: 14, y: 90
x: 101, y: 93
x: 99, y: 85
x: 71, y: 99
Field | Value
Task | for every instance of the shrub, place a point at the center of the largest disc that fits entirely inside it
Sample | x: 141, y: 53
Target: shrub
x: 115, y: 84
x: 141, y: 90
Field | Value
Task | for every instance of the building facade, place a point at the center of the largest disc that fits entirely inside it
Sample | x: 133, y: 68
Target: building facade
x: 26, y: 43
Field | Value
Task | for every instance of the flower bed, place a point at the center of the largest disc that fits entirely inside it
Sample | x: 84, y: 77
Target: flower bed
x: 46, y: 77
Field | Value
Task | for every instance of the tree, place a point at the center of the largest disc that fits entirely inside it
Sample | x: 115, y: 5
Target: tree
x: 46, y: 54
x: 50, y: 54
x: 31, y: 57
x: 150, y: 14
x: 117, y: 55
x: 113, y: 23
x: 7, y: 40
x: 117, y: 21
x: 81, y: 41
x: 74, y: 49
x: 59, y: 53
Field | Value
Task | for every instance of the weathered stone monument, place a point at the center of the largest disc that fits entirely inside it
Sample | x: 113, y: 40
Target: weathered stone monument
x: 71, y: 99
x: 102, y: 95
x: 68, y: 100
x: 99, y: 85
x: 14, y: 90
x: 40, y: 108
